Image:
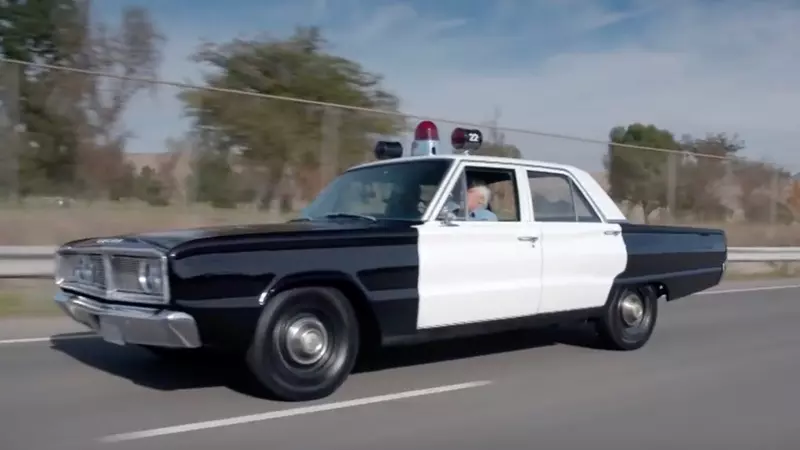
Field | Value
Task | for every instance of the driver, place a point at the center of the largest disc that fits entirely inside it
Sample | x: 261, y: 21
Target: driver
x: 478, y: 197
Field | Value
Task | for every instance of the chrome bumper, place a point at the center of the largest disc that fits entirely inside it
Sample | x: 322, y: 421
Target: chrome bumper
x: 132, y: 325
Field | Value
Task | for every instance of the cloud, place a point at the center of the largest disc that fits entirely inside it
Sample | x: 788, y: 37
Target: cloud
x: 563, y: 66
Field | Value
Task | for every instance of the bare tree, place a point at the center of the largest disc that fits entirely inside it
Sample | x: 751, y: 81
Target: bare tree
x: 131, y: 52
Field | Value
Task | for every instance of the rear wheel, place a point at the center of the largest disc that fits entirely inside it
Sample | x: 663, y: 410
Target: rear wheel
x: 629, y: 318
x: 305, y: 344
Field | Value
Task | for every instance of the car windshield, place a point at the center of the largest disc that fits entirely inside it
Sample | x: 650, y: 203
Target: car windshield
x: 398, y: 191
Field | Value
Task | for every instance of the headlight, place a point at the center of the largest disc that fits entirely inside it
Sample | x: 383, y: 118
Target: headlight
x: 150, y: 278
x: 84, y: 270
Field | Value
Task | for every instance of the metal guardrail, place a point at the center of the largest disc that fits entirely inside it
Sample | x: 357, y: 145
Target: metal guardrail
x: 763, y: 254
x: 37, y: 261
x: 27, y: 261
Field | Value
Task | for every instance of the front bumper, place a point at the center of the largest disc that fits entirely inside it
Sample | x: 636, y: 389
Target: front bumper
x: 132, y: 325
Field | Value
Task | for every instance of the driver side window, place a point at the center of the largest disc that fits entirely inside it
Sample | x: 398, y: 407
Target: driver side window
x: 468, y: 203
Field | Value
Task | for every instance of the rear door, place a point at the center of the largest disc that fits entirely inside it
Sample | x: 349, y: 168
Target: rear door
x: 582, y: 253
x: 475, y: 271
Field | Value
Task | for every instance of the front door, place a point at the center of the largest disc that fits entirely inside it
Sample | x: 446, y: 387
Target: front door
x: 474, y: 270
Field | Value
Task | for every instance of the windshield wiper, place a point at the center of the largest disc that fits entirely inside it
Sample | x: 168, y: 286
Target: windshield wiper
x: 300, y: 219
x: 350, y: 215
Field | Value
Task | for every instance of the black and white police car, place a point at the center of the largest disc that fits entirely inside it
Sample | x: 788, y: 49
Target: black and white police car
x: 397, y: 251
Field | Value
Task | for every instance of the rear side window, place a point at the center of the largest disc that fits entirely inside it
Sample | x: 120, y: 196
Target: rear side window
x: 557, y: 199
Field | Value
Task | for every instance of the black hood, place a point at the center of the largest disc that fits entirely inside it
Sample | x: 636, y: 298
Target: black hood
x: 170, y: 239
x: 173, y: 238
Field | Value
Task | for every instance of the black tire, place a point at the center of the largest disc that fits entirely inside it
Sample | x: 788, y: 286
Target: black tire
x: 617, y: 328
x: 277, y: 368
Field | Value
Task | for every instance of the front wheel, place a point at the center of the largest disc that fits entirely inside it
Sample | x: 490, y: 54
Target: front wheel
x: 629, y: 318
x: 305, y: 344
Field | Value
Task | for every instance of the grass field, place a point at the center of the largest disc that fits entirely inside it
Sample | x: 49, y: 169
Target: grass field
x: 27, y: 298
x: 51, y: 225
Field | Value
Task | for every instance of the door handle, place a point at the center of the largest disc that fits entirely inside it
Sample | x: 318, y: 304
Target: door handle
x: 611, y: 232
x: 530, y: 239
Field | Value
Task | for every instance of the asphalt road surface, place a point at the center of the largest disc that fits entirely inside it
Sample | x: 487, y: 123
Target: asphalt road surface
x: 721, y: 372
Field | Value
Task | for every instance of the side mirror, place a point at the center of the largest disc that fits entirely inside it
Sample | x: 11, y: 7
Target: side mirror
x: 448, y: 213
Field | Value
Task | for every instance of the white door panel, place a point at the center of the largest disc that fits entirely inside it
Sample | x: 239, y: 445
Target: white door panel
x: 581, y: 261
x: 477, y: 271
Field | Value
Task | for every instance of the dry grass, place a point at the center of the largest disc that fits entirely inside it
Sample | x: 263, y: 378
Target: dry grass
x: 27, y: 298
x: 48, y: 225
x: 51, y: 225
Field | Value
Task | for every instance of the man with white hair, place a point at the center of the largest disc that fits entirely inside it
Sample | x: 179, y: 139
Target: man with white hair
x: 478, y: 198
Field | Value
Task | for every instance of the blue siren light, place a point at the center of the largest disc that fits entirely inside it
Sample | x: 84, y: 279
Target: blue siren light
x: 388, y: 150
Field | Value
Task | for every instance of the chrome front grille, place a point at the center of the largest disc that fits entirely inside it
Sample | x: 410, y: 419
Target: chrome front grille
x: 114, y: 276
x: 126, y: 273
x: 86, y: 269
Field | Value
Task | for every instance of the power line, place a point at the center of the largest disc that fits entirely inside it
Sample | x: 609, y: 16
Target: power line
x: 345, y: 107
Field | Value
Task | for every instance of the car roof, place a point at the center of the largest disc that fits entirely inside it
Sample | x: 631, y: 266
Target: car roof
x: 475, y: 159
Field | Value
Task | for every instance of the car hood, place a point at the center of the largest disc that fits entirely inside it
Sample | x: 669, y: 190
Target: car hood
x: 170, y: 239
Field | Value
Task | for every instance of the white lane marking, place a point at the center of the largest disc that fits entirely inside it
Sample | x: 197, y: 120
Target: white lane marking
x: 46, y: 339
x: 290, y: 412
x: 754, y: 289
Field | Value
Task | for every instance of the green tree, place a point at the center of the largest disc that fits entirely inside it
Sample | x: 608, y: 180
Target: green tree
x: 500, y: 149
x: 639, y: 176
x: 496, y: 146
x: 150, y: 188
x: 212, y: 179
x: 702, y: 173
x: 133, y: 50
x: 124, y: 187
x: 281, y: 137
x: 41, y: 31
x: 72, y: 139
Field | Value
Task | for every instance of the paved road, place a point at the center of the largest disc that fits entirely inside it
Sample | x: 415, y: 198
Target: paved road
x: 721, y: 372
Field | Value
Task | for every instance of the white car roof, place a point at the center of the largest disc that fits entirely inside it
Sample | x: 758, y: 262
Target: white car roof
x: 474, y: 158
x: 597, y: 194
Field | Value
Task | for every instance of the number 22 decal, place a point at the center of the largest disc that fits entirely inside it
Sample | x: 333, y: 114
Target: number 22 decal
x: 473, y: 137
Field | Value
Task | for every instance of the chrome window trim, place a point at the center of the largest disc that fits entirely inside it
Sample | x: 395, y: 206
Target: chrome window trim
x: 110, y: 292
x: 440, y: 197
x: 574, y: 182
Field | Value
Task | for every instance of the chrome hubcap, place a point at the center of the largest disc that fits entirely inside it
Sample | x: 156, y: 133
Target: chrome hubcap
x: 306, y: 340
x: 632, y: 309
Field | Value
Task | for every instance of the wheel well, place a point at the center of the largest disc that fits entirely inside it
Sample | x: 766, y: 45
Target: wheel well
x: 367, y: 322
x: 658, y: 288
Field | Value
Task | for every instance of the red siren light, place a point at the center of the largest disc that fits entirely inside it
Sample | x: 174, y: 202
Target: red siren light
x: 426, y: 131
x: 458, y: 138
x: 466, y: 139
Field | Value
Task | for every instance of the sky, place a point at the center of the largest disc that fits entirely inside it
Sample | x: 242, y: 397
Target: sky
x: 574, y: 67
